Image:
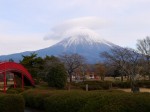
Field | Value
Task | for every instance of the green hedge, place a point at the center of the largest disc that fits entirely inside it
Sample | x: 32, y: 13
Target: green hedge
x: 71, y: 101
x: 35, y: 98
x: 92, y: 101
x: 11, y: 103
x: 118, y: 102
x: 144, y: 83
x: 14, y: 90
x: 120, y: 84
x: 94, y: 85
x: 98, y: 102
x: 104, y: 85
x: 127, y: 84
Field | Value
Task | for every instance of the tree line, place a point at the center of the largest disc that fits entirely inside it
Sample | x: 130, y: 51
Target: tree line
x: 51, y: 69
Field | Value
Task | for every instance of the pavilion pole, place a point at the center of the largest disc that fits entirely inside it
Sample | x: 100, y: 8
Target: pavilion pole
x: 14, y: 81
x: 22, y: 77
x: 5, y: 79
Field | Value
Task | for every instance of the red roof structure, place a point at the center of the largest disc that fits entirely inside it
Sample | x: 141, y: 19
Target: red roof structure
x: 17, y: 69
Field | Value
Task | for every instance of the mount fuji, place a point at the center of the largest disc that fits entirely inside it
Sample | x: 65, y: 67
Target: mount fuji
x: 82, y: 41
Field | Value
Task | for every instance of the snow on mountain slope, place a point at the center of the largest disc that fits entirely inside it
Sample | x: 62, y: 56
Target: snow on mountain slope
x: 82, y: 36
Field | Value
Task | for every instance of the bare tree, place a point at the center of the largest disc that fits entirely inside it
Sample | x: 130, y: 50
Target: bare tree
x: 133, y: 67
x: 117, y: 57
x: 72, y: 62
x: 124, y: 59
x: 143, y: 47
x: 100, y: 70
x: 82, y: 70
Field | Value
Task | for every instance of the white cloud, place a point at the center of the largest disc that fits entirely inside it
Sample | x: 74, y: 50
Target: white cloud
x: 93, y: 23
x: 28, y: 42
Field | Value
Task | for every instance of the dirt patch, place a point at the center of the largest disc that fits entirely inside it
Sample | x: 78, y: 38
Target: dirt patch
x: 141, y: 90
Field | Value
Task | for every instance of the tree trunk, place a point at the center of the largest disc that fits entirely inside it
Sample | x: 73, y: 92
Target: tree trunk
x: 70, y: 77
x: 128, y: 78
x: 102, y: 78
x: 70, y: 80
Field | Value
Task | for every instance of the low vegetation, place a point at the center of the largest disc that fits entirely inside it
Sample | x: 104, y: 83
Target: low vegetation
x: 11, y: 103
x: 81, y: 101
x: 106, y: 85
x: 94, y: 85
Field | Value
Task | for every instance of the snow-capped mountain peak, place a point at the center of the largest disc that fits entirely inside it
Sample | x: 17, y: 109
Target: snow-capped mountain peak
x: 77, y: 40
x: 82, y: 36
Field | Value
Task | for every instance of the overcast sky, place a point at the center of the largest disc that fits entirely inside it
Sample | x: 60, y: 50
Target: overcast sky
x: 27, y: 25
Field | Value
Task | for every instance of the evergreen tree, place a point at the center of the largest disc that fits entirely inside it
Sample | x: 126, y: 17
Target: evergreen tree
x: 33, y: 64
x: 57, y: 76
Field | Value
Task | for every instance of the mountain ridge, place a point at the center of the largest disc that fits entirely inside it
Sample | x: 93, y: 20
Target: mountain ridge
x: 83, y: 41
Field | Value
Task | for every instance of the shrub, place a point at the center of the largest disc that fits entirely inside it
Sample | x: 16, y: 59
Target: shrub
x: 98, y: 102
x: 144, y: 83
x: 121, y: 84
x: 57, y: 76
x: 35, y: 98
x: 118, y: 102
x: 11, y: 103
x: 92, y: 101
x: 65, y: 102
x: 94, y: 85
x: 127, y: 84
x: 14, y: 90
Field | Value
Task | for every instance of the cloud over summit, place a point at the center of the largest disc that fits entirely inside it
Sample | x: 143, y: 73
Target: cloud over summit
x: 61, y: 30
